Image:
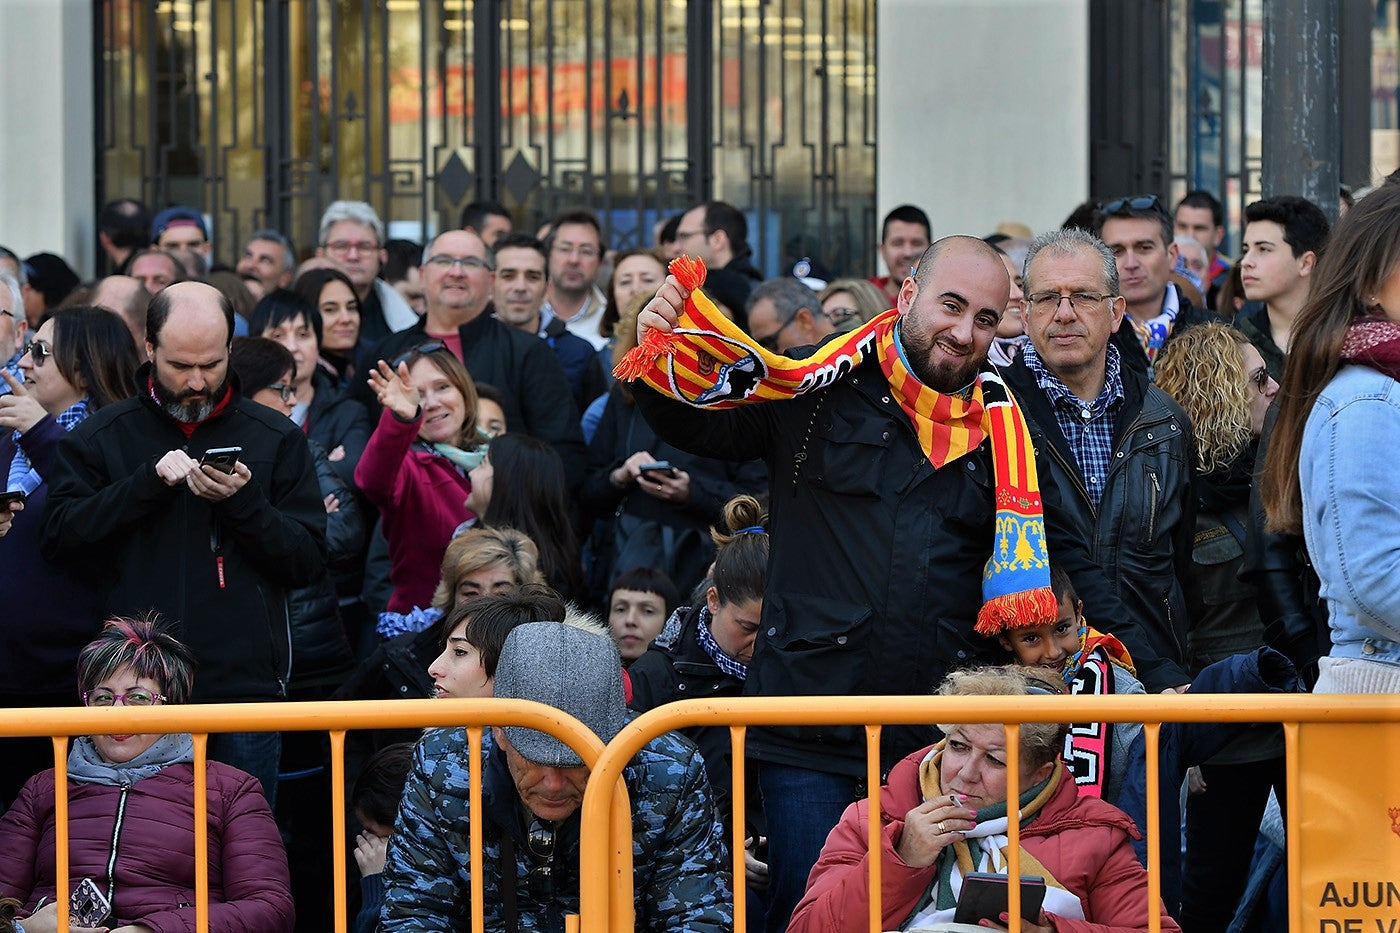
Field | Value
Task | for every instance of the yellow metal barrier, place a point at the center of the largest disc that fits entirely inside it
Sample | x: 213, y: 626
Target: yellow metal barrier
x: 1152, y: 711
x: 606, y: 896
x: 335, y: 718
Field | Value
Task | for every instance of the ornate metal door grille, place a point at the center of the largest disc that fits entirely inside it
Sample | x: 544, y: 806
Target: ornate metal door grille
x: 261, y: 112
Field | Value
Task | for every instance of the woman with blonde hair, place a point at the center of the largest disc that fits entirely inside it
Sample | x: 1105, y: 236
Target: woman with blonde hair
x: 1328, y: 468
x: 849, y: 303
x: 945, y: 813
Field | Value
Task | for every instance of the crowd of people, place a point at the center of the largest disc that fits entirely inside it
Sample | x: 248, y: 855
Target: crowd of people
x: 1100, y: 459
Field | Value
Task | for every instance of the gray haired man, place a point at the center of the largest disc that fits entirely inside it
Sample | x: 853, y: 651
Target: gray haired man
x: 532, y: 786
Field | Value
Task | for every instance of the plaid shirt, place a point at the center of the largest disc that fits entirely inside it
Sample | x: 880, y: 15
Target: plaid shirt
x: 707, y: 641
x: 1088, y: 428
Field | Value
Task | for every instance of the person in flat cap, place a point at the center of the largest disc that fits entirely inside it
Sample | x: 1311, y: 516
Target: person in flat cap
x: 532, y: 788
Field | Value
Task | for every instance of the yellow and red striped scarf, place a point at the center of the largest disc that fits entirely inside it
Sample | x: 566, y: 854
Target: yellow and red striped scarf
x: 706, y: 361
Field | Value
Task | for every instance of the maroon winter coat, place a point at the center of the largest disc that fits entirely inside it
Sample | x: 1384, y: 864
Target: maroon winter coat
x: 1084, y: 842
x: 249, y: 888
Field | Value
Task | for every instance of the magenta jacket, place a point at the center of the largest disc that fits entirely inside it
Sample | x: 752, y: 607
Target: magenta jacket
x: 422, y: 498
x: 249, y: 887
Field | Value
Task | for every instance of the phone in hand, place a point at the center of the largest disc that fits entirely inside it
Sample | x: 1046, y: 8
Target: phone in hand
x: 16, y: 495
x: 221, y: 458
x: 660, y: 466
x: 984, y: 897
x: 88, y: 906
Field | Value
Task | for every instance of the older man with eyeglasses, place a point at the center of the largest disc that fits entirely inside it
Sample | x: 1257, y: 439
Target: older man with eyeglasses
x: 1120, y: 449
x: 458, y: 279
x: 532, y: 789
x: 352, y: 238
x: 785, y: 314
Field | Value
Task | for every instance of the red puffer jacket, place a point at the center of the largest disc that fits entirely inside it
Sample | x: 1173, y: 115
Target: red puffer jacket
x: 1085, y: 843
x: 249, y: 887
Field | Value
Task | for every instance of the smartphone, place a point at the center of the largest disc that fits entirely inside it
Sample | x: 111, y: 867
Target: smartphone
x: 984, y: 897
x: 7, y: 497
x: 88, y: 906
x: 660, y: 466
x: 221, y: 458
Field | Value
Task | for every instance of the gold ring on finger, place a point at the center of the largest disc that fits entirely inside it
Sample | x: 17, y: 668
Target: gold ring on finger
x: 943, y: 826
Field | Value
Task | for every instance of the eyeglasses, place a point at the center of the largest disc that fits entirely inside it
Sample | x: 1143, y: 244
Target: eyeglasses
x: 136, y: 696
x: 540, y: 840
x: 770, y: 343
x: 840, y: 316
x: 1260, y: 378
x: 1049, y: 302
x: 451, y: 262
x: 583, y: 250
x: 687, y: 234
x: 344, y: 247
x: 423, y: 349
x: 8, y: 313
x: 1143, y: 202
x: 40, y: 351
x: 287, y: 392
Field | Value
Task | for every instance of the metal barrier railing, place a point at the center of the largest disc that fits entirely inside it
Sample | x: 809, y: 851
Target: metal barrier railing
x: 606, y: 876
x: 335, y: 718
x: 1152, y: 711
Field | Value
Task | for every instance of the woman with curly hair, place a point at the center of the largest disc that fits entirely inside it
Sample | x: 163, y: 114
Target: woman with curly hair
x: 1328, y: 471
x: 1223, y: 383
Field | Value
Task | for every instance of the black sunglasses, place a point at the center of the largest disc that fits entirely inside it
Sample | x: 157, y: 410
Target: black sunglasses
x: 540, y: 881
x: 1142, y: 202
x: 423, y: 349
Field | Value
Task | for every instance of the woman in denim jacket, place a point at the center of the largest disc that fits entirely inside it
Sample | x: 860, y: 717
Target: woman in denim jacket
x: 1330, y: 470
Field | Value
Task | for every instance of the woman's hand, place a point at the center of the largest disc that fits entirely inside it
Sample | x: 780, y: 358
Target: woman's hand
x: 45, y: 920
x: 1043, y: 925
x: 630, y: 471
x: 19, y: 411
x: 371, y: 852
x: 658, y: 485
x: 7, y: 515
x: 932, y: 826
x: 395, y: 390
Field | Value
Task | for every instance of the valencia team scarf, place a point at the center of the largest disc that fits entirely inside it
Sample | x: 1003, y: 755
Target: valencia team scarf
x: 1089, y: 672
x: 706, y: 361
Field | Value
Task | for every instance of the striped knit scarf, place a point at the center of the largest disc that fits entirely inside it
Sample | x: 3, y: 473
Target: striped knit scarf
x: 708, y: 362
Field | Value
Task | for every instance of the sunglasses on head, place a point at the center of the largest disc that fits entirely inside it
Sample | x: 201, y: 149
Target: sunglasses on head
x: 1142, y: 202
x: 423, y: 349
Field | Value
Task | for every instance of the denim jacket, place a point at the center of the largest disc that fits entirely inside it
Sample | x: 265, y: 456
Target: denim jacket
x: 1351, y: 511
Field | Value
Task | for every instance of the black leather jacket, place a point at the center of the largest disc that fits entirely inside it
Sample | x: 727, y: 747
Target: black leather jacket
x: 1295, y: 620
x: 876, y: 561
x: 1141, y: 533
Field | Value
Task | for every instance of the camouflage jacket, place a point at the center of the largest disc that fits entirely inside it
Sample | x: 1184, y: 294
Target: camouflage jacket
x: 681, y: 864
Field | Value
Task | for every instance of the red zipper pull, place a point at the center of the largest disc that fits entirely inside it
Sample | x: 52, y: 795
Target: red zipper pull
x: 219, y: 562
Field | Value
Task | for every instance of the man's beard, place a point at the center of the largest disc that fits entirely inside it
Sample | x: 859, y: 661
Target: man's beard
x: 948, y: 377
x: 189, y: 407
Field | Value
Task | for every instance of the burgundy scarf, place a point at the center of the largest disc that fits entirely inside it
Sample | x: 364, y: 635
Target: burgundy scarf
x: 1374, y: 342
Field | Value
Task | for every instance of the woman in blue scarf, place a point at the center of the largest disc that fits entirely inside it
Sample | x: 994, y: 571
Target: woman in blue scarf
x: 81, y: 359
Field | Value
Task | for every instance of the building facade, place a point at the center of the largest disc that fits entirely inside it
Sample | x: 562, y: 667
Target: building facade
x: 813, y: 116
